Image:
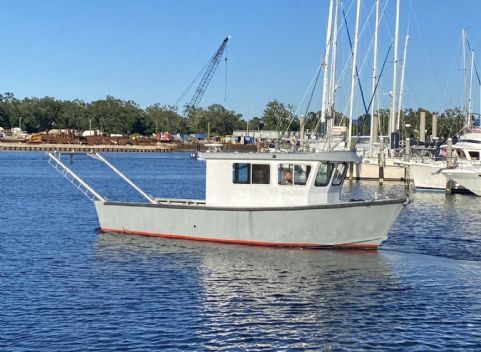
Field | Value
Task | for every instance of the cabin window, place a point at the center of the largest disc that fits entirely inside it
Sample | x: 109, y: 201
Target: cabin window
x: 242, y: 173
x: 339, y: 174
x: 324, y: 174
x: 261, y: 174
x: 474, y: 155
x: 301, y: 174
x: 297, y: 174
x: 460, y: 154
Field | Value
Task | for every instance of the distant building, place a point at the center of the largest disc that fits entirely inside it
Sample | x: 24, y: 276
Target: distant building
x: 265, y: 135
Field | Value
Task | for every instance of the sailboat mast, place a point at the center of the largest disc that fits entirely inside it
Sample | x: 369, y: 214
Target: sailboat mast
x: 468, y: 117
x: 332, y: 95
x: 401, y: 91
x: 465, y: 104
x: 333, y: 60
x: 392, y: 119
x: 372, y: 137
x: 354, y: 76
x: 325, y: 86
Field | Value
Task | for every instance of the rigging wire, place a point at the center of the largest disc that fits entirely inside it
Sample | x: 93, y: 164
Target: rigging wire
x: 357, y: 72
x: 190, y: 85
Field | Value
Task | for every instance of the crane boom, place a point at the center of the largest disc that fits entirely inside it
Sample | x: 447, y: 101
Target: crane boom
x: 208, y: 74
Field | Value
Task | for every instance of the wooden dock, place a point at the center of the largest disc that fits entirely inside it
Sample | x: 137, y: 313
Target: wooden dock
x: 162, y: 148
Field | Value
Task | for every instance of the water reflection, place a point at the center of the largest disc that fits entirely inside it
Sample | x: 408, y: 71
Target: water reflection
x: 244, y: 294
x: 254, y: 298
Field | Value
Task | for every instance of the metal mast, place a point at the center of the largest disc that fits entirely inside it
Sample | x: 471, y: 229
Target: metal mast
x: 401, y: 91
x: 465, y: 107
x: 325, y: 90
x: 331, y: 111
x: 374, y: 78
x: 392, y: 120
x: 354, y: 75
x: 207, y: 77
x: 468, y: 117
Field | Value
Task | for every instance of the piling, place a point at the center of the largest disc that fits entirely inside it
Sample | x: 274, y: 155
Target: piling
x: 422, y: 127
x: 434, y: 130
x: 381, y: 162
x: 302, y: 119
x: 449, y: 162
x: 375, y: 127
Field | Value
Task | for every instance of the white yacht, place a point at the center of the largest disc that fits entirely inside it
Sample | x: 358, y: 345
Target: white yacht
x: 468, y: 177
x: 427, y: 173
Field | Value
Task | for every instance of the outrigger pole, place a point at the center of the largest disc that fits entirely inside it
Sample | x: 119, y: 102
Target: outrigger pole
x: 125, y: 178
x: 70, y: 175
x: 82, y: 185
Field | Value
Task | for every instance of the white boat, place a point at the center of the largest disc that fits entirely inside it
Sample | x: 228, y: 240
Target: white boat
x: 428, y: 173
x: 211, y: 148
x: 469, y: 178
x: 250, y: 200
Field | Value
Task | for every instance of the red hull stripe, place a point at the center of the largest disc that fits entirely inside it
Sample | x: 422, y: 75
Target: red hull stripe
x: 244, y: 242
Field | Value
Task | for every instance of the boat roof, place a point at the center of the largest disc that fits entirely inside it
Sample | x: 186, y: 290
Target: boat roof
x: 282, y: 156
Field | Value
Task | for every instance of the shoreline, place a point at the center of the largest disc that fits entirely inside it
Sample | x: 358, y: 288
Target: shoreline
x: 161, y: 148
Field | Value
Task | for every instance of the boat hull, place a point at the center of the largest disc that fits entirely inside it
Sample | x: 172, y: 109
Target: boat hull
x: 368, y: 169
x: 347, y: 225
x: 428, y: 176
x: 469, y: 179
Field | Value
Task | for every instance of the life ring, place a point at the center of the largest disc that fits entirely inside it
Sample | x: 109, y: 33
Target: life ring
x: 401, y: 143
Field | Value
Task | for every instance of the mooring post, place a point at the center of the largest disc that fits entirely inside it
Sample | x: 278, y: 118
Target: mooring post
x: 422, y: 127
x: 434, y: 128
x: 381, y: 161
x: 407, y: 174
x: 449, y: 163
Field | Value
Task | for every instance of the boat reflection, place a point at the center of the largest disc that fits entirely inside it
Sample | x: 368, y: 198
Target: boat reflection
x: 241, y: 291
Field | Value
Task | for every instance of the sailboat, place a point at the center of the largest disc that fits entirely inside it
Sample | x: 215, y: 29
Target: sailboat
x: 459, y: 170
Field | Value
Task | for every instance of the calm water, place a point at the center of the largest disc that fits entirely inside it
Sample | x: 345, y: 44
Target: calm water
x: 66, y: 288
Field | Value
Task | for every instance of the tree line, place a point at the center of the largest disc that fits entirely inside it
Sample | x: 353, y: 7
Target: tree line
x: 113, y: 115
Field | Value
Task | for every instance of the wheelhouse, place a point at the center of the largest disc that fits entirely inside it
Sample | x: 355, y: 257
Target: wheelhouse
x: 275, y: 180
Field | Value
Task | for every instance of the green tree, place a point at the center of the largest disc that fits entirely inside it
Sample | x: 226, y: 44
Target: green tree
x: 165, y: 118
x: 278, y: 116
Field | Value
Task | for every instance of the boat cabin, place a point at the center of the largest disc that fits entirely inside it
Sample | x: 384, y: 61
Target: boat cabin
x: 275, y: 179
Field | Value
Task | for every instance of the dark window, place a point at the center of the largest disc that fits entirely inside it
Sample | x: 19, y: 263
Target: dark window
x: 261, y: 174
x: 242, y: 173
x: 474, y: 155
x: 301, y: 174
x: 339, y: 174
x: 324, y: 174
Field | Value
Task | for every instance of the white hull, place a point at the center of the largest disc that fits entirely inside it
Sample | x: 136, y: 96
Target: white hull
x: 428, y: 176
x: 368, y: 169
x: 353, y: 224
x: 468, y: 178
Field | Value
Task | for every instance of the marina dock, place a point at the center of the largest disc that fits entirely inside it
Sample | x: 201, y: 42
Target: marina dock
x: 162, y: 148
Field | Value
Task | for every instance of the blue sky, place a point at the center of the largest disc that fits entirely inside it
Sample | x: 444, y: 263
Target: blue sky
x: 150, y: 51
